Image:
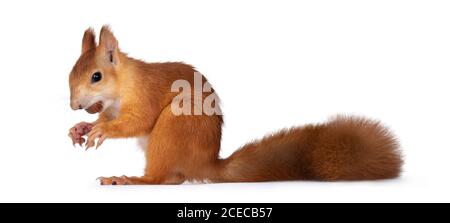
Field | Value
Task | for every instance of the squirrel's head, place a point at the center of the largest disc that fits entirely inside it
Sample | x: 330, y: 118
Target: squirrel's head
x: 93, y: 80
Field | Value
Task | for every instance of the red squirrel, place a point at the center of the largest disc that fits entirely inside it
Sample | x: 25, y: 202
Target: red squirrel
x: 134, y: 98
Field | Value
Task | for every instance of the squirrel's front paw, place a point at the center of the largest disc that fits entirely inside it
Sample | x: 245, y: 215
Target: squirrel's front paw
x: 98, y: 131
x: 77, y: 132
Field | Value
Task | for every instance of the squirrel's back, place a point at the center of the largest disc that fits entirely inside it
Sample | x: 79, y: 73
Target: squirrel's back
x: 344, y: 148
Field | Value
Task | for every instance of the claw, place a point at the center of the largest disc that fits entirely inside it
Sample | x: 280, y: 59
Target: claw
x: 100, y: 179
x: 73, y: 141
x: 100, y: 141
x: 88, y: 146
x: 92, y: 135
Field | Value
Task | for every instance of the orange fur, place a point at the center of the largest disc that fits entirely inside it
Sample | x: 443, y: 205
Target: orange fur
x: 137, y: 99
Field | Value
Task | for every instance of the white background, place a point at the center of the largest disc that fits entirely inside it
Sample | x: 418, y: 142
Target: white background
x: 274, y: 64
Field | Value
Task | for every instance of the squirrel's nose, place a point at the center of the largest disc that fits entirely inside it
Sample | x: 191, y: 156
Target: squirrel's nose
x: 75, y: 105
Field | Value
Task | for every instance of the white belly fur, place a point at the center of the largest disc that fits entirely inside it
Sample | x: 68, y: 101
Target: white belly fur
x: 142, y: 142
x: 114, y: 109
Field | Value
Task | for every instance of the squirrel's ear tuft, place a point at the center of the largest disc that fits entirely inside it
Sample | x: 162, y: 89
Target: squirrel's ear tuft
x: 109, y: 45
x: 88, y: 40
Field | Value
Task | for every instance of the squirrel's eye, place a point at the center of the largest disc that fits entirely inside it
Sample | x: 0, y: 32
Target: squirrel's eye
x: 96, y: 77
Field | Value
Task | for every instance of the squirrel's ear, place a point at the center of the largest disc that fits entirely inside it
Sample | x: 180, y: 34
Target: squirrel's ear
x: 109, y: 45
x: 88, y: 40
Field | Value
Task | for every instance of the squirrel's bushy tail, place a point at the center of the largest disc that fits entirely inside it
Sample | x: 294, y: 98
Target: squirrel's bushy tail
x: 344, y: 148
